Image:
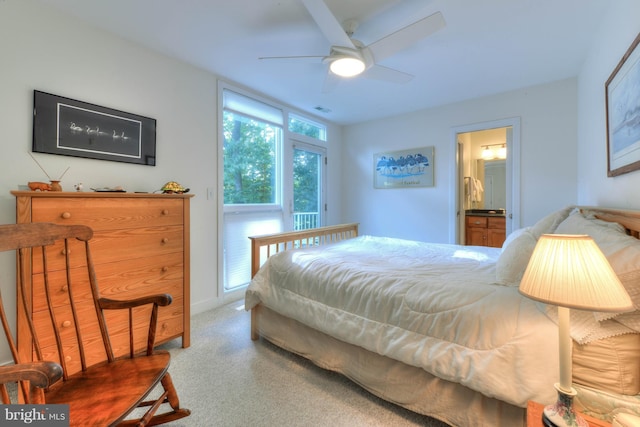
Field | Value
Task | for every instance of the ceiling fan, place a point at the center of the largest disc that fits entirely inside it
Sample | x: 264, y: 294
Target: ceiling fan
x: 348, y: 57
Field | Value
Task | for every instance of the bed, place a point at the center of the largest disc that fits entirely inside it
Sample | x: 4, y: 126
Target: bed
x: 442, y: 329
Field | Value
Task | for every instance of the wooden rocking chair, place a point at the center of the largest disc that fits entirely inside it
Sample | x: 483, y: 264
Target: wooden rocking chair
x: 71, y: 357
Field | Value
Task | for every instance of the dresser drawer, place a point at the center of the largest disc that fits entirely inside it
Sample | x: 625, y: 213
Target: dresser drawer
x: 476, y: 221
x: 119, y: 280
x: 170, y: 321
x: 120, y: 245
x: 142, y: 276
x: 117, y: 245
x: 108, y: 213
x: 89, y: 329
x: 170, y: 325
x: 58, y: 292
x: 496, y: 222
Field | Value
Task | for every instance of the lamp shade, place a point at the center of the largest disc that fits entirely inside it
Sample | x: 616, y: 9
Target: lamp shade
x: 571, y: 271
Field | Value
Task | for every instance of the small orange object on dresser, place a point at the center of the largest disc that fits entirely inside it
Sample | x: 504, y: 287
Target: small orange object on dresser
x: 41, y: 186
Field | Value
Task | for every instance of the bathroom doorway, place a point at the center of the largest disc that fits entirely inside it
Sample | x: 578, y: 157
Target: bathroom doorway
x: 487, y: 173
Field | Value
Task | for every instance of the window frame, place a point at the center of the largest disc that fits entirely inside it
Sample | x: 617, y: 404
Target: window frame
x: 283, y: 182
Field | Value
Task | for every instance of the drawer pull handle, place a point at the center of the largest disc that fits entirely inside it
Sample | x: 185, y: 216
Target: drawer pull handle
x: 65, y: 288
x: 165, y: 326
x: 66, y: 215
x: 66, y: 323
x: 64, y: 251
x: 67, y: 358
x: 165, y: 212
x: 478, y: 222
x: 165, y: 240
x: 165, y: 268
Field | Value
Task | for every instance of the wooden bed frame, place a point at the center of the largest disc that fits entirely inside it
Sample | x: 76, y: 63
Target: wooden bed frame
x: 262, y: 247
x: 628, y: 219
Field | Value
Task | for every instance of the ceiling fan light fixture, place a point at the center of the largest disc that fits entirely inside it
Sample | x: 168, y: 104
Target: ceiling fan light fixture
x: 347, y: 66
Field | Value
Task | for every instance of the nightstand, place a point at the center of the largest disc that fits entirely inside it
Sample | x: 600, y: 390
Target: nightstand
x: 534, y: 416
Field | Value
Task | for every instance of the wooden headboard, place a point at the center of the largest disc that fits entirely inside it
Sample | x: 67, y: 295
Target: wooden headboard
x: 627, y: 218
x: 262, y: 247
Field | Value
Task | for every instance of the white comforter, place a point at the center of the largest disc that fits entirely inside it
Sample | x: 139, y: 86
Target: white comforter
x: 432, y: 306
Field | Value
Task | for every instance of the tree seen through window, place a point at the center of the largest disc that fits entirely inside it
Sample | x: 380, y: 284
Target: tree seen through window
x: 250, y: 158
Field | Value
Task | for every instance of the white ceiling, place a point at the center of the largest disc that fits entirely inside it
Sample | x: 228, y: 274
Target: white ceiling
x: 487, y: 46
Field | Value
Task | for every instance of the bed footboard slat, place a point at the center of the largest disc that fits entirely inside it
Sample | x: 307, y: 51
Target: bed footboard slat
x: 262, y: 247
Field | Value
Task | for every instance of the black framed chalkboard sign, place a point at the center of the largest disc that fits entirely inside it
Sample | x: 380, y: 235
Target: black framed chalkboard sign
x: 74, y: 128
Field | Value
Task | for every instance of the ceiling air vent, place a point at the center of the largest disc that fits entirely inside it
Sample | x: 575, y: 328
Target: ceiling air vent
x: 322, y: 109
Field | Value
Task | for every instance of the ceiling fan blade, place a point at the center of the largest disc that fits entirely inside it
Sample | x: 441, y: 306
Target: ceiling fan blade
x: 328, y: 23
x: 378, y: 72
x: 296, y: 59
x: 405, y: 37
x: 396, y: 15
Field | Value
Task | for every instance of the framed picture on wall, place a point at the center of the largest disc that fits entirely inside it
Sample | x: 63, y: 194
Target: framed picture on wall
x: 74, y: 128
x: 623, y: 113
x: 404, y: 168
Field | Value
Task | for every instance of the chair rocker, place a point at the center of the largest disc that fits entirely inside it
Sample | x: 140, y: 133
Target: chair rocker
x: 64, y: 353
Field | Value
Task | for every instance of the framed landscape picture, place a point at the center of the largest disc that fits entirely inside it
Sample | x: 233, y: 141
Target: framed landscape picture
x: 623, y: 113
x: 74, y: 128
x: 403, y: 169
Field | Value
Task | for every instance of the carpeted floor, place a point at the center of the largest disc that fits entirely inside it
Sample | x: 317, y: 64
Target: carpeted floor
x: 228, y: 380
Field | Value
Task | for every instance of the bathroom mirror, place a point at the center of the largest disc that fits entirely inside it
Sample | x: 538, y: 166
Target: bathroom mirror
x: 493, y: 176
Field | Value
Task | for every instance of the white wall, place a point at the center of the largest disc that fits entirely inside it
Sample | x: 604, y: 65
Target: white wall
x: 45, y: 50
x: 548, y: 163
x: 620, y: 28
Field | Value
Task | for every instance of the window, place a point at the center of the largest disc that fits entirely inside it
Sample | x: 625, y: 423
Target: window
x: 250, y: 151
x: 308, y: 162
x: 252, y: 145
x: 252, y: 133
x: 272, y: 177
x: 304, y: 126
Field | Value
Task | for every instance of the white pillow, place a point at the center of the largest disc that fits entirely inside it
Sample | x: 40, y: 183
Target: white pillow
x: 599, y: 230
x: 514, y: 258
x: 518, y: 247
x: 549, y: 223
x: 622, y: 251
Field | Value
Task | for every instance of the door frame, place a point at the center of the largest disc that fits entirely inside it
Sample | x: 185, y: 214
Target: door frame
x: 512, y: 175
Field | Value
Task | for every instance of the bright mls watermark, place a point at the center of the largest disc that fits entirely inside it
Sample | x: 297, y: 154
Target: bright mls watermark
x: 34, y: 415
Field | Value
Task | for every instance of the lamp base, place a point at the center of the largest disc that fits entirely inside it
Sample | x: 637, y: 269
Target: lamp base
x: 561, y: 413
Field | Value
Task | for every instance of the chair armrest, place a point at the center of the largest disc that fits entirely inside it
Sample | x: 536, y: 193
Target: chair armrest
x: 39, y: 374
x: 159, y: 300
x: 109, y: 304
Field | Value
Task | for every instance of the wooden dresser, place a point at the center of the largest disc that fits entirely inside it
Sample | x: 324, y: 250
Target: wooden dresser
x: 485, y: 230
x: 140, y: 247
